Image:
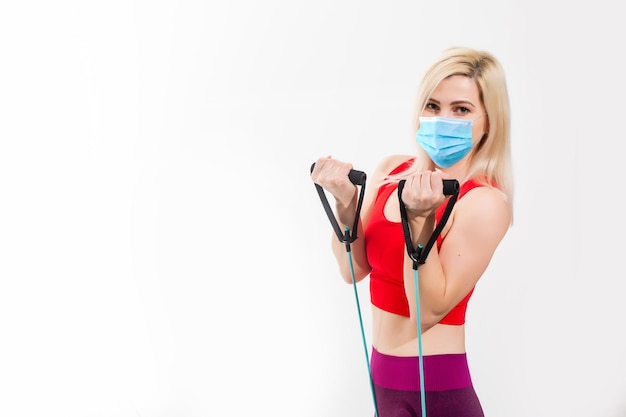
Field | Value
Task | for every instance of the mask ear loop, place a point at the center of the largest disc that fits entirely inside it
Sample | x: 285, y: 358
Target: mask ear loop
x: 357, y: 178
x: 418, y: 256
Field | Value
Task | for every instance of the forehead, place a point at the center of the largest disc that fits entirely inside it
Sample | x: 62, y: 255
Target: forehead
x: 456, y: 87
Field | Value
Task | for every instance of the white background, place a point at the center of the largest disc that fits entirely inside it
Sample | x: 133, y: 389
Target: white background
x: 163, y: 251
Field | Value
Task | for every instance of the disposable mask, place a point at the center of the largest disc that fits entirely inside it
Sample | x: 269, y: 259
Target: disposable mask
x: 445, y: 140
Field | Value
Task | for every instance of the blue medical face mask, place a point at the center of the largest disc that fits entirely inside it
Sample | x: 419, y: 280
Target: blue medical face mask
x: 445, y: 140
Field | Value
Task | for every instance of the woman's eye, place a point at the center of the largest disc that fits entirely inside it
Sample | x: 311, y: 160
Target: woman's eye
x: 432, y: 107
x: 462, y: 110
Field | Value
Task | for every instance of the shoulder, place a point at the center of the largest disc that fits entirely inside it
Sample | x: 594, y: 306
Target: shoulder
x: 484, y: 205
x: 391, y: 163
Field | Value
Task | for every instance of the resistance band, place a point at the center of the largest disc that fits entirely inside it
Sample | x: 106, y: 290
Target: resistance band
x: 419, y: 255
x: 348, y: 236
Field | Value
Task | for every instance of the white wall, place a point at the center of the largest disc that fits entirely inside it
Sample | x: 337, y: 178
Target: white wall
x: 164, y: 253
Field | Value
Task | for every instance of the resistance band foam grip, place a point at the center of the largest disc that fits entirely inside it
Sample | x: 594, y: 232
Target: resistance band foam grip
x: 450, y: 187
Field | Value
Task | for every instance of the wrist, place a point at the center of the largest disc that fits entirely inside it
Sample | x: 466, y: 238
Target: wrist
x: 421, y: 228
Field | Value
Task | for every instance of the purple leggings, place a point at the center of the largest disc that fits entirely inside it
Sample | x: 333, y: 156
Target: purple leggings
x: 449, y: 389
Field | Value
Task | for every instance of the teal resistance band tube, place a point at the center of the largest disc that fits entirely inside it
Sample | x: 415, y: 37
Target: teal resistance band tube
x: 358, y: 307
x: 418, y: 256
x: 419, y: 339
x: 347, y: 237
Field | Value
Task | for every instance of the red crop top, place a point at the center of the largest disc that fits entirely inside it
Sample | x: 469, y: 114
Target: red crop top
x: 385, y: 246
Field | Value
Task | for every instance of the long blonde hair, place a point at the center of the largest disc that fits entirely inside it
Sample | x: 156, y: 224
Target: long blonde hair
x: 491, y: 159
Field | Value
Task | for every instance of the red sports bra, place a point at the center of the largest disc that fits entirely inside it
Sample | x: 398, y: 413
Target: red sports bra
x: 385, y: 246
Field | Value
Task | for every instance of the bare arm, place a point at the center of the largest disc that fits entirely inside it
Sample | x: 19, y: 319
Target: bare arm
x: 479, y: 222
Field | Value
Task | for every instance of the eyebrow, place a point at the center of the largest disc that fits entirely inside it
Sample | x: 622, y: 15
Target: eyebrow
x: 456, y: 102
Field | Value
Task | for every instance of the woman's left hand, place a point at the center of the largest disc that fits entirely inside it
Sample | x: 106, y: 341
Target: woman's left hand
x: 423, y: 193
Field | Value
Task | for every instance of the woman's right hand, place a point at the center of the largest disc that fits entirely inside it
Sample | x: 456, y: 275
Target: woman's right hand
x: 332, y: 175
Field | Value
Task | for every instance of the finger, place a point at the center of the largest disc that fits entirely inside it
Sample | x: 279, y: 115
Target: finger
x: 340, y: 170
x: 426, y: 182
x: 321, y: 162
x: 321, y: 168
x: 436, y: 182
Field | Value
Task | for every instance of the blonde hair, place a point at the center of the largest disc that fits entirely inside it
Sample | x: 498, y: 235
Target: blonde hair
x: 490, y: 160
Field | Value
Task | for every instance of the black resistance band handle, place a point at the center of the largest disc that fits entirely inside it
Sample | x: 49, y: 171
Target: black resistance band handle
x: 450, y: 187
x: 349, y: 236
x: 356, y: 177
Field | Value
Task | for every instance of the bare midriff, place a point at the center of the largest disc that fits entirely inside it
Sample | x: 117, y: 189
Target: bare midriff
x: 396, y: 335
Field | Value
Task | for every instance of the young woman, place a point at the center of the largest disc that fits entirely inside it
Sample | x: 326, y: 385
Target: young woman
x: 462, y: 131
